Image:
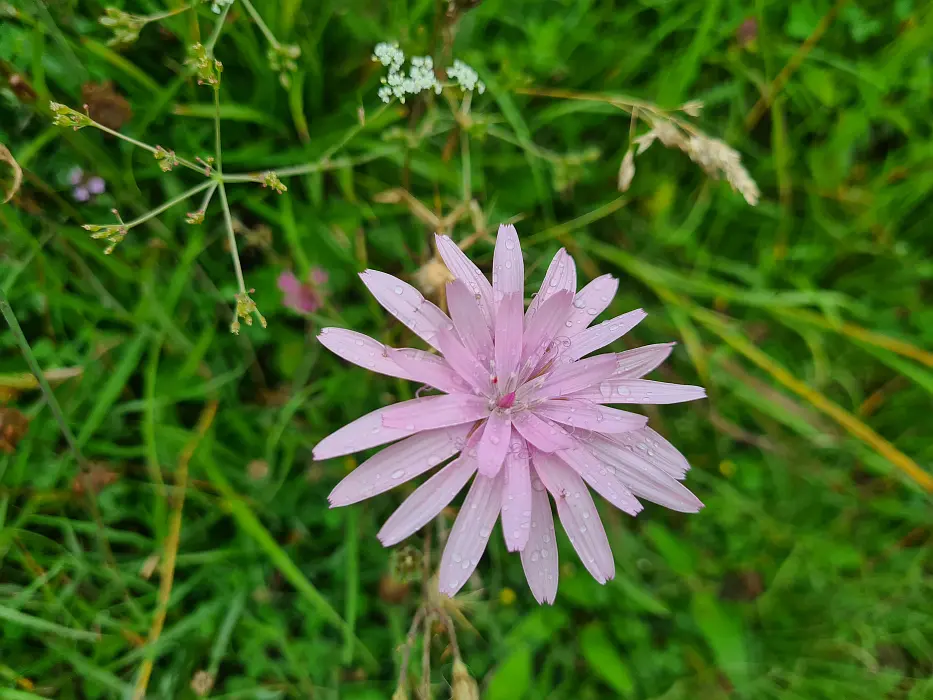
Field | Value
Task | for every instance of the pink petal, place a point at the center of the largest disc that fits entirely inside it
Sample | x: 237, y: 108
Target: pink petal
x: 360, y: 350
x: 463, y: 361
x: 288, y: 283
x: 590, y: 416
x: 361, y: 434
x: 591, y: 301
x: 601, y: 479
x: 655, y: 450
x: 561, y: 276
x: 469, y: 321
x: 407, y: 304
x: 435, y: 412
x: 398, y: 463
x: 578, y: 515
x: 539, y: 557
x: 463, y: 269
x: 470, y: 533
x: 427, y: 501
x: 615, y: 390
x: 423, y: 367
x: 516, y: 497
x: 637, y: 362
x: 508, y: 337
x: 493, y: 444
x: 543, y: 434
x: 542, y: 327
x: 601, y: 335
x: 508, y: 268
x: 635, y: 469
x: 575, y: 377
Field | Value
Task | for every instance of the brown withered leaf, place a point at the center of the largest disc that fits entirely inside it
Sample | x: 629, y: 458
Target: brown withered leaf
x: 13, y: 426
x: 105, y: 105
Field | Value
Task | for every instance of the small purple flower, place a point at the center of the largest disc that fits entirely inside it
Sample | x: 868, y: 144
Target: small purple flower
x: 303, y: 297
x: 85, y: 187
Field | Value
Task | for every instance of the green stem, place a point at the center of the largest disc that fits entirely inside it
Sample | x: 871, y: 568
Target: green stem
x: 145, y: 146
x: 171, y: 203
x: 207, y: 196
x: 215, y: 34
x: 168, y: 13
x: 231, y: 240
x: 262, y: 25
x: 50, y: 399
x: 218, y: 164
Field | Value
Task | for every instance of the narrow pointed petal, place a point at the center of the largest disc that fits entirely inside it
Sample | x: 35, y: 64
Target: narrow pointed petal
x: 590, y: 416
x: 615, y: 390
x: 463, y: 361
x: 654, y: 449
x: 407, y: 304
x: 576, y: 376
x: 508, y: 268
x: 463, y: 269
x: 561, y: 276
x: 508, y: 337
x: 578, y: 515
x: 600, y: 335
x: 423, y: 367
x: 493, y: 444
x: 398, y: 463
x: 516, y: 498
x: 470, y: 533
x: 543, y: 434
x: 591, y: 301
x: 539, y: 557
x: 469, y: 321
x: 601, y: 479
x: 361, y: 434
x: 427, y: 501
x: 360, y: 350
x: 430, y: 412
x: 543, y: 326
x: 637, y: 362
x: 635, y: 469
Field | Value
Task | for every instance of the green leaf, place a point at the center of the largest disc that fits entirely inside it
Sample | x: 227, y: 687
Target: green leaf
x: 604, y: 659
x: 677, y: 556
x: 724, y: 633
x: 512, y: 678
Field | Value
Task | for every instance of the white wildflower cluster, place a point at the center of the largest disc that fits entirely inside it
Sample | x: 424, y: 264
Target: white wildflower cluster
x: 420, y: 75
x: 466, y: 77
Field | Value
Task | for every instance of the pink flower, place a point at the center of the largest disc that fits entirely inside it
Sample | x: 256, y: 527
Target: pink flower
x: 302, y: 297
x: 522, y: 407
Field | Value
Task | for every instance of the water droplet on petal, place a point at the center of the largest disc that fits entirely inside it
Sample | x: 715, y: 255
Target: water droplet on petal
x: 534, y: 555
x: 508, y: 264
x: 579, y: 303
x: 605, y: 388
x: 360, y: 343
x: 398, y: 290
x: 457, y: 558
x: 622, y: 391
x: 398, y: 473
x: 510, y: 244
x: 569, y: 324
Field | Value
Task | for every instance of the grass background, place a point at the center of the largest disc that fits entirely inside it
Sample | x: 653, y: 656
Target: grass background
x: 809, y: 573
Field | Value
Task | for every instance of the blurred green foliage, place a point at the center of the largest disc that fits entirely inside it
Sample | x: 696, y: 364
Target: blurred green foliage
x: 808, y: 575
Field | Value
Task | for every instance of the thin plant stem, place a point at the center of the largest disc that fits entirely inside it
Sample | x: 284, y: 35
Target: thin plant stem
x: 167, y: 574
x: 270, y: 37
x: 218, y: 27
x: 145, y: 146
x: 208, y: 196
x: 208, y: 184
x: 168, y: 13
x: 218, y: 164
x: 50, y: 399
x: 406, y: 649
x: 426, y: 658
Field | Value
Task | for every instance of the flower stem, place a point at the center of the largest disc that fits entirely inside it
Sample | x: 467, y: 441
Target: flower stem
x: 145, y: 146
x: 168, y: 13
x: 270, y: 37
x: 207, y: 184
x: 215, y: 33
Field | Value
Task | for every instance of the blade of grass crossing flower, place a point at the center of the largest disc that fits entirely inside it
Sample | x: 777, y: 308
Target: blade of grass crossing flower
x: 250, y: 524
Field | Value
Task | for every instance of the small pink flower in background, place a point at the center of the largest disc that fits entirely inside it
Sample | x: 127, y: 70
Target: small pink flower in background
x: 303, y: 297
x: 85, y: 187
x: 524, y: 408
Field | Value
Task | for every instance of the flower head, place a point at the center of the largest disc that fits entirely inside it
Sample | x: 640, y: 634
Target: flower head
x: 85, y: 187
x: 303, y: 297
x: 524, y: 407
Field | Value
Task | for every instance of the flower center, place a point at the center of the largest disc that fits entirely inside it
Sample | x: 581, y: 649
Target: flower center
x: 507, y: 401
